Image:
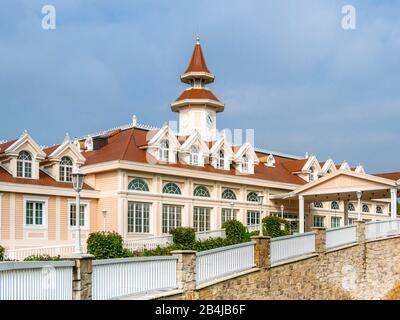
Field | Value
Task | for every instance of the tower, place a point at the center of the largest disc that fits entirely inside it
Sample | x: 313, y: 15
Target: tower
x: 197, y: 105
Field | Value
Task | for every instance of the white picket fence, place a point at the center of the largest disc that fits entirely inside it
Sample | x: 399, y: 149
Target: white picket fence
x: 341, y: 236
x: 113, y: 278
x: 50, y: 280
x: 253, y: 227
x: 210, y: 234
x: 147, y: 243
x: 216, y: 263
x: 21, y: 254
x: 288, y: 247
x: 381, y: 229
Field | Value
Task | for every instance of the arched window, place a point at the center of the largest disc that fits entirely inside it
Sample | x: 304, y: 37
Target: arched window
x: 24, y: 165
x: 365, y: 208
x: 221, y: 159
x: 350, y: 207
x: 245, y: 165
x: 379, y: 209
x: 252, y: 197
x: 201, y: 191
x: 171, y: 188
x: 194, y: 156
x: 228, y: 194
x: 318, y: 205
x: 334, y: 205
x: 138, y: 185
x: 66, y: 169
x: 164, y: 150
x: 311, y: 174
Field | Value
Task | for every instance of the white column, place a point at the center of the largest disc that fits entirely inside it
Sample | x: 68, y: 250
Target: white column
x: 359, y: 194
x: 301, y: 214
x: 393, y: 203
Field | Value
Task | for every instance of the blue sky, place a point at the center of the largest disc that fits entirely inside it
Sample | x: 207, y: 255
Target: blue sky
x: 284, y: 68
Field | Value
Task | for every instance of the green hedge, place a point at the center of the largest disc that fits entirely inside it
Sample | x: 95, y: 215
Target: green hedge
x: 235, y: 231
x: 2, y: 253
x: 275, y: 227
x: 106, y: 245
x: 183, y: 236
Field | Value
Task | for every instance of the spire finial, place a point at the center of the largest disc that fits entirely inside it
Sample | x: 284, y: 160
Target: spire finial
x: 197, y: 39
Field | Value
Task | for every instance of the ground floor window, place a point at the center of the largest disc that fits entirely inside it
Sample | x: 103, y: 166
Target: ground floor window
x: 228, y: 214
x: 319, y: 221
x: 171, y: 217
x: 83, y: 220
x: 351, y: 221
x: 34, y: 213
x: 201, y: 219
x: 335, y: 222
x: 253, y: 217
x: 138, y: 217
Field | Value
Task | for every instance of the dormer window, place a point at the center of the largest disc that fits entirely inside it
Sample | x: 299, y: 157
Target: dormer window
x: 311, y: 174
x: 66, y: 169
x: 164, y: 150
x: 221, y: 159
x: 194, y: 156
x: 24, y: 165
x: 245, y: 164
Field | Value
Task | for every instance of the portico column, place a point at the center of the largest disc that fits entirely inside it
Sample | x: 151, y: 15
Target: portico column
x: 393, y: 203
x: 359, y: 194
x: 301, y: 214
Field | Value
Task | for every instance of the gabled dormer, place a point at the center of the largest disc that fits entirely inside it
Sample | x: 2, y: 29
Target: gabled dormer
x: 221, y: 154
x: 344, y: 166
x: 62, y: 160
x: 194, y: 151
x: 311, y: 169
x: 164, y: 145
x: 245, y: 159
x: 359, y: 169
x: 22, y: 158
x: 328, y: 167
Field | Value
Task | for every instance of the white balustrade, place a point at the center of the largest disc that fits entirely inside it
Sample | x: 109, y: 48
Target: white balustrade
x: 215, y: 263
x: 21, y: 254
x: 287, y: 247
x: 23, y: 280
x: 253, y: 227
x: 337, y: 237
x: 380, y: 229
x: 210, y: 234
x: 147, y: 243
x: 112, y: 278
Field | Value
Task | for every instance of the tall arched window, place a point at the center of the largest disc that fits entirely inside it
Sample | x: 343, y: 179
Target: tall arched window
x: 245, y: 164
x: 334, y: 205
x: 194, y: 156
x: 138, y: 185
x: 350, y: 207
x: 365, y: 208
x: 66, y: 169
x: 221, y: 159
x: 201, y: 191
x: 24, y: 165
x: 171, y: 188
x: 252, y: 197
x: 164, y: 150
x: 228, y: 194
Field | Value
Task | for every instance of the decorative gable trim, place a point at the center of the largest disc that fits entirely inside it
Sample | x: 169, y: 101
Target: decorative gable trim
x: 67, y: 145
x: 25, y: 138
x: 328, y: 165
x: 312, y: 161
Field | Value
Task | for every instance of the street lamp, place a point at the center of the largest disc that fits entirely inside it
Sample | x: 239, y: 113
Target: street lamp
x: 104, y: 212
x: 232, y: 204
x: 282, y: 210
x: 359, y: 194
x: 77, y: 181
x: 260, y: 198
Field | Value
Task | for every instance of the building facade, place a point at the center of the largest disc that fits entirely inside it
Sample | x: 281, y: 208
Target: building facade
x: 142, y: 181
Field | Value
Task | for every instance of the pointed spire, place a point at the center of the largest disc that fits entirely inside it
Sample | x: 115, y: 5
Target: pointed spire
x: 197, y: 68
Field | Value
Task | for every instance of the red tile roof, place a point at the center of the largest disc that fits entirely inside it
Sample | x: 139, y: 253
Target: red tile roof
x: 294, y: 165
x: 44, y: 180
x: 5, y: 145
x: 389, y: 175
x: 126, y: 146
x: 197, y: 94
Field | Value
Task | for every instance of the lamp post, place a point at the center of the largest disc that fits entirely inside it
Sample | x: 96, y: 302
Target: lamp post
x: 104, y: 212
x: 282, y: 210
x: 260, y: 198
x: 232, y: 204
x: 359, y: 194
x: 77, y: 181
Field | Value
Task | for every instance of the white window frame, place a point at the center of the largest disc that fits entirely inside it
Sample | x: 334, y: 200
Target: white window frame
x: 171, y: 224
x: 323, y: 221
x: 206, y: 226
x: 228, y: 214
x: 66, y: 169
x: 194, y: 156
x: 339, y: 219
x: 134, y: 218
x: 85, y: 203
x: 45, y: 201
x: 220, y: 164
x: 163, y: 153
x: 251, y: 215
x: 24, y: 163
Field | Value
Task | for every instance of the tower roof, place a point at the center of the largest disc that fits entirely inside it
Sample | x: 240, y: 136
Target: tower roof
x: 197, y: 68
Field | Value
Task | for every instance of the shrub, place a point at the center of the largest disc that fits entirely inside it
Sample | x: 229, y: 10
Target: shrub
x: 183, y: 236
x: 42, y: 257
x: 106, y: 245
x: 235, y: 231
x: 275, y: 227
x: 2, y: 253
